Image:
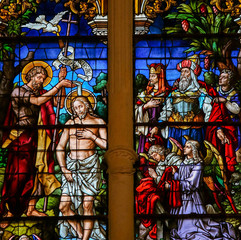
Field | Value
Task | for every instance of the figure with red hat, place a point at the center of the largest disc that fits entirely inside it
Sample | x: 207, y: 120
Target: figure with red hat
x: 148, y: 108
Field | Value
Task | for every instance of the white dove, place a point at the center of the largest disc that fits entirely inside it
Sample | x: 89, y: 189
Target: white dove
x: 51, y: 26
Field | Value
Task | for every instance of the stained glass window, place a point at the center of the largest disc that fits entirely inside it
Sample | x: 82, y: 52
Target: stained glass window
x: 187, y: 119
x: 53, y: 67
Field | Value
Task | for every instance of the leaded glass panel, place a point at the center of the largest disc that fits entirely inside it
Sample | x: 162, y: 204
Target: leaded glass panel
x: 187, y: 123
x: 53, y: 68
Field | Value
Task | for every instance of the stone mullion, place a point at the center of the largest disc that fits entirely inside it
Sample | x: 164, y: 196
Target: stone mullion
x: 120, y: 156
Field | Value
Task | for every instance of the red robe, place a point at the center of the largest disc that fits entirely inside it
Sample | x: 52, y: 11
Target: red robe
x: 20, y: 171
x: 148, y: 193
x: 218, y: 115
x: 144, y: 164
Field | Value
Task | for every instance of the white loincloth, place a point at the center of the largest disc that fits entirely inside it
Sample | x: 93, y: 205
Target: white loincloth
x: 87, y: 176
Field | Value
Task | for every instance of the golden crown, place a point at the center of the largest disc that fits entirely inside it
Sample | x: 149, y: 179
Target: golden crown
x: 155, y: 70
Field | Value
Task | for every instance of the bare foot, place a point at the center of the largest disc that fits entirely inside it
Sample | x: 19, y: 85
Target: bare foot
x: 5, y: 223
x: 35, y: 213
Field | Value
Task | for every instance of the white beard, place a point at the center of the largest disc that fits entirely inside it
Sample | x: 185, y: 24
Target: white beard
x: 184, y: 83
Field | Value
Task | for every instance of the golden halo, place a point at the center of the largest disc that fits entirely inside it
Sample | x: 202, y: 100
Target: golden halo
x: 45, y: 65
x: 72, y: 95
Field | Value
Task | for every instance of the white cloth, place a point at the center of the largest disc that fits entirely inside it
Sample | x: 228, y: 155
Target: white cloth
x: 171, y: 160
x: 87, y: 176
x: 141, y: 115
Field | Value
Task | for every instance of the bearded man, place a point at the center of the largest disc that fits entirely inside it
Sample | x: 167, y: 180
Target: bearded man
x: 150, y: 103
x: 30, y: 164
x: 81, y: 170
x: 189, y: 102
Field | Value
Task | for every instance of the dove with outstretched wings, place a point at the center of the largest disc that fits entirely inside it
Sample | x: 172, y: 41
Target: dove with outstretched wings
x: 51, y: 26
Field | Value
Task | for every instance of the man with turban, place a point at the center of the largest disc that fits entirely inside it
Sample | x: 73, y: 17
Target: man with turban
x: 189, y: 102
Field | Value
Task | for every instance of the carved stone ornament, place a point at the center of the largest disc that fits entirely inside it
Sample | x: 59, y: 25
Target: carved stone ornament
x: 227, y: 6
x: 86, y: 8
x: 120, y: 160
x: 99, y: 25
x: 155, y: 7
x: 142, y: 24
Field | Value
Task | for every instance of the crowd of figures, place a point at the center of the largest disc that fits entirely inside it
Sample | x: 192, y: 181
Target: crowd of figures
x: 186, y: 143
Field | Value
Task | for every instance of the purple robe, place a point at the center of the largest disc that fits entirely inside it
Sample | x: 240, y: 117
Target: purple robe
x: 190, y: 177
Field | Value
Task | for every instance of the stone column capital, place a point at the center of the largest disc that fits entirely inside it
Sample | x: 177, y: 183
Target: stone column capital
x: 120, y: 159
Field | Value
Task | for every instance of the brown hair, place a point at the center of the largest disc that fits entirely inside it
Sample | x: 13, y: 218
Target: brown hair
x: 36, y: 70
x: 85, y: 101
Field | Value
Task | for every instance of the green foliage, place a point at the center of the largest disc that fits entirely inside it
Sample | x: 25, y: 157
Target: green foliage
x: 101, y: 82
x: 14, y: 27
x: 64, y: 117
x: 20, y: 14
x: 53, y: 202
x: 140, y: 83
x: 27, y: 14
x: 7, y: 48
x: 192, y: 49
x: 238, y: 167
x: 184, y: 8
x: 101, y: 109
x: 3, y: 157
x: 212, y: 169
x: 101, y: 76
x: 100, y: 86
x: 1, y: 55
x: 210, y: 78
x: 193, y: 4
x: 198, y: 17
x: 101, y: 152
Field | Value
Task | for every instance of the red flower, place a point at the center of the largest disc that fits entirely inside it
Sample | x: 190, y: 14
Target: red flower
x: 185, y: 25
x: 207, y: 62
x: 215, y: 10
x: 203, y: 9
